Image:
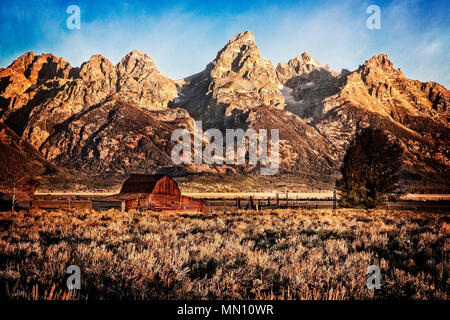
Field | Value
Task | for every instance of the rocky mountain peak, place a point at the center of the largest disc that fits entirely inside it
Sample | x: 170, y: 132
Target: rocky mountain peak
x: 102, y: 118
x: 135, y: 62
x: 240, y: 55
x: 300, y: 65
x: 243, y: 37
x: 306, y: 56
x: 40, y: 68
x: 305, y: 83
x: 140, y: 82
x: 19, y: 81
x: 380, y: 63
x: 238, y: 79
x: 22, y: 63
x: 95, y: 116
x: 378, y: 78
x: 306, y: 59
x: 98, y: 67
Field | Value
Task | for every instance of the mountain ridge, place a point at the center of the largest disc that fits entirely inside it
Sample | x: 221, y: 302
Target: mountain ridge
x: 114, y: 119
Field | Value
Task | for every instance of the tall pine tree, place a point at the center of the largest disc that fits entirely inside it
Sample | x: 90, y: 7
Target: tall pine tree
x: 369, y: 169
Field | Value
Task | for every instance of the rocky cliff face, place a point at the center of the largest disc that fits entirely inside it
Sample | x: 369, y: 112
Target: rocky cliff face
x: 140, y: 82
x: 305, y: 83
x: 240, y: 89
x: 237, y: 80
x: 376, y: 94
x: 105, y: 118
x: 96, y: 118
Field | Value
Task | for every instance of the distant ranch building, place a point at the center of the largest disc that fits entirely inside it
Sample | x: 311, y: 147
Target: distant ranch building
x: 157, y: 192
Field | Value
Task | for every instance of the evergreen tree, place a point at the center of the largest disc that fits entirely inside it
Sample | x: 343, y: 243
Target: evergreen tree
x: 16, y: 174
x: 369, y: 169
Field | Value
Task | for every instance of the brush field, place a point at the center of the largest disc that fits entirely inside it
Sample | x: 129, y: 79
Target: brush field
x: 273, y: 254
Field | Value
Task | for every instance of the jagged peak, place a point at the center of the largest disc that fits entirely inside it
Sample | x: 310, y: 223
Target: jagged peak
x: 28, y: 58
x: 39, y: 68
x: 234, y: 56
x: 137, y: 54
x: 300, y: 65
x: 49, y: 55
x: 242, y: 42
x: 97, y: 58
x: 95, y: 68
x: 22, y: 63
x: 305, y: 58
x: 134, y: 58
x: 246, y: 36
x: 382, y: 60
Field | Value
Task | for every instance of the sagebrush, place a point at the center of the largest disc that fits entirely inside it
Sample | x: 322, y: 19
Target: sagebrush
x: 274, y: 254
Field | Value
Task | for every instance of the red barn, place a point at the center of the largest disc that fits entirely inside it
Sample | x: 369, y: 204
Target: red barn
x: 154, y: 192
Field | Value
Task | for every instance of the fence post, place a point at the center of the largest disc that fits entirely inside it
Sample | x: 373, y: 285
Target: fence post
x: 287, y: 200
x: 277, y: 199
x: 334, y: 199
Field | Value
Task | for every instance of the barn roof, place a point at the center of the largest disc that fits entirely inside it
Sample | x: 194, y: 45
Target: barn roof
x: 141, y: 183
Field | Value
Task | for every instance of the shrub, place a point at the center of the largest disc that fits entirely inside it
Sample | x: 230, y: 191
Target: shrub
x: 369, y: 169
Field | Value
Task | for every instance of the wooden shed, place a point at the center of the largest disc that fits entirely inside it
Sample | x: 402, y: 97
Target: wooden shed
x: 157, y: 192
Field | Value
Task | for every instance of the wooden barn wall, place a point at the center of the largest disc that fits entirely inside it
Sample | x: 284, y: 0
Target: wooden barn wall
x: 191, y: 204
x: 165, y: 203
x: 151, y: 184
x: 166, y: 186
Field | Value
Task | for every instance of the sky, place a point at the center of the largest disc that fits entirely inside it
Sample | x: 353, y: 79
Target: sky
x: 182, y: 37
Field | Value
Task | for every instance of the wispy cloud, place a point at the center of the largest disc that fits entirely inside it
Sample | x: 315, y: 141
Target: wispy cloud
x: 182, y: 37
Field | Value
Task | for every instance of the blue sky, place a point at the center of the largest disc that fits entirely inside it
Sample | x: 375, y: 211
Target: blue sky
x: 183, y: 36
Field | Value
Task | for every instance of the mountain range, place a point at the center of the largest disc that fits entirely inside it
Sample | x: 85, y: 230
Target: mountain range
x: 101, y: 119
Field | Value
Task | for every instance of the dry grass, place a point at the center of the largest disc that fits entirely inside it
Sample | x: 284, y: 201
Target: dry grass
x: 281, y: 254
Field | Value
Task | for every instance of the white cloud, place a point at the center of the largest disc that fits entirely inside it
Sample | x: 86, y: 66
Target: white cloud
x: 182, y: 42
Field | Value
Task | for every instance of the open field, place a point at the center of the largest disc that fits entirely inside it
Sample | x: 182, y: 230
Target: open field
x: 271, y: 254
